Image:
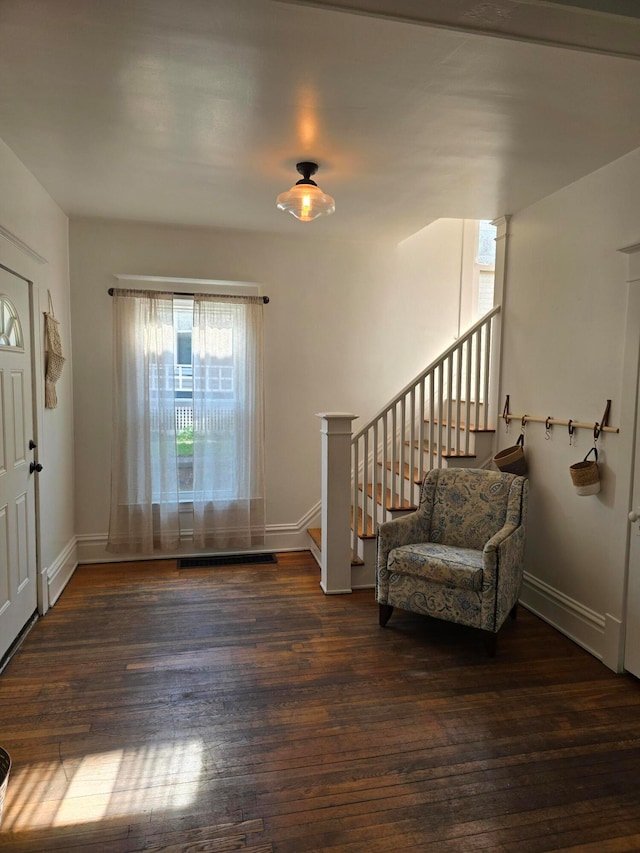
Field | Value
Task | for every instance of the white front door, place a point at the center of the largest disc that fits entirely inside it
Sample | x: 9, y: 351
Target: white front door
x: 18, y: 591
x: 632, y: 638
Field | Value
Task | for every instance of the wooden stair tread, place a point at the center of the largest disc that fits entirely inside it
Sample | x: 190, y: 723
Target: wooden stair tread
x: 463, y: 426
x: 316, y: 534
x: 416, y: 472
x: 446, y: 454
x: 389, y: 505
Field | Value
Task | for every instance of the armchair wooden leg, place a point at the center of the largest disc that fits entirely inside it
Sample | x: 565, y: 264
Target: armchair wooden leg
x: 514, y: 611
x: 385, y: 613
x: 490, y: 643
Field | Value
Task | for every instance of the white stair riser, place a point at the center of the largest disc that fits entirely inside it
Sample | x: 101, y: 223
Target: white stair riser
x: 480, y: 443
x: 463, y: 410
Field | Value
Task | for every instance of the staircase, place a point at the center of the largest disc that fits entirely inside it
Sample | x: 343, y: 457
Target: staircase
x: 442, y: 419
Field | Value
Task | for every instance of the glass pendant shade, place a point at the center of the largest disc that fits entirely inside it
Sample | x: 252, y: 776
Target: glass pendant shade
x: 305, y: 200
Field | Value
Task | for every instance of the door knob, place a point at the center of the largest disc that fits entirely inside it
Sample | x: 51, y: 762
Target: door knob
x: 634, y: 515
x: 35, y: 466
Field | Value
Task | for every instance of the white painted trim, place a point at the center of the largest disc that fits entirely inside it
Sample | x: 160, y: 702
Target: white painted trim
x: 20, y: 244
x: 278, y: 537
x: 578, y: 622
x: 92, y: 550
x: 328, y: 591
x: 629, y: 419
x: 613, y: 647
x: 59, y: 573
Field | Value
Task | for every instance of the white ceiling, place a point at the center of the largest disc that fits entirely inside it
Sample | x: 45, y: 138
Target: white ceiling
x: 194, y: 112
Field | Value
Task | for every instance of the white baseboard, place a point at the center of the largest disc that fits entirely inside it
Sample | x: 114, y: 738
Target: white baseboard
x: 613, y: 649
x: 599, y: 634
x: 59, y: 573
x: 92, y: 547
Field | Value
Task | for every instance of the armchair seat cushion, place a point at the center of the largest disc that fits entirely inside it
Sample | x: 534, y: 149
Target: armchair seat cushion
x: 442, y: 564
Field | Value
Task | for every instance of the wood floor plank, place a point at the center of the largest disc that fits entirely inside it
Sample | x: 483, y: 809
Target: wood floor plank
x: 238, y: 708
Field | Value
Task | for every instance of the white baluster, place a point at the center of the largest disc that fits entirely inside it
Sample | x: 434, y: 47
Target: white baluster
x: 467, y: 417
x: 394, y: 444
x: 449, y: 430
x: 432, y: 416
x: 385, y: 455
x: 412, y: 445
x: 375, y: 478
x: 420, y: 457
x: 355, y: 497
x: 458, y: 434
x: 365, y: 484
x: 478, y: 394
x: 403, y: 435
x: 487, y: 368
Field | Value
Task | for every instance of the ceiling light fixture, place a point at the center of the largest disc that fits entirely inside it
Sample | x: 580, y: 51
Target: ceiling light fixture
x: 305, y: 200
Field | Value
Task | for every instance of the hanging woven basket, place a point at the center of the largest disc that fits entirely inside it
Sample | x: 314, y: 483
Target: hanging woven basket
x: 585, y: 475
x: 512, y: 460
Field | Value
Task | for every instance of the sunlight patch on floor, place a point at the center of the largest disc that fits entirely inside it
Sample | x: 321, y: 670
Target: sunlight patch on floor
x: 128, y: 781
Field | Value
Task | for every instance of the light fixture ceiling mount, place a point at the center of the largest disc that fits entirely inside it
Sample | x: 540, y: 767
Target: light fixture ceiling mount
x: 305, y: 200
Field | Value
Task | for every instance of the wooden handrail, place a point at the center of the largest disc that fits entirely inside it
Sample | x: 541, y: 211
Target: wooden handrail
x: 428, y: 420
x: 434, y: 364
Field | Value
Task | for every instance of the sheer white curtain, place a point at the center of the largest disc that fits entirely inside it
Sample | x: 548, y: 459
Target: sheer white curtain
x: 228, y: 422
x: 144, y: 469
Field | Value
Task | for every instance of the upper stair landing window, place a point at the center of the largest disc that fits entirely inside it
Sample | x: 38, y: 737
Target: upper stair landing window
x: 484, y: 268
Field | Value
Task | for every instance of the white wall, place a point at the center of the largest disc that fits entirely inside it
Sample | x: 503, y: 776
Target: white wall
x: 348, y: 324
x: 39, y: 227
x: 429, y: 282
x: 563, y: 356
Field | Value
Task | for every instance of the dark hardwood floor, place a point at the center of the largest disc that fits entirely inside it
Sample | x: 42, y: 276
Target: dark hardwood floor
x: 241, y: 709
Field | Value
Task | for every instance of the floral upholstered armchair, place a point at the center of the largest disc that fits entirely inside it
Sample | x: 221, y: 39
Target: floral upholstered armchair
x: 459, y: 555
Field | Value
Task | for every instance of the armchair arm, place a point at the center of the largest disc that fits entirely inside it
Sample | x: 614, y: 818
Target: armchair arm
x: 502, y: 558
x: 499, y: 538
x: 413, y: 527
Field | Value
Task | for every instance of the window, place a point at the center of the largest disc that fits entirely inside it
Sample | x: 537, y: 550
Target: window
x: 484, y: 268
x: 188, y: 421
x: 218, y: 384
x: 10, y: 328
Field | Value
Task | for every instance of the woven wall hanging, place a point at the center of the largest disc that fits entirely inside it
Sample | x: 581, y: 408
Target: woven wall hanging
x: 54, y: 358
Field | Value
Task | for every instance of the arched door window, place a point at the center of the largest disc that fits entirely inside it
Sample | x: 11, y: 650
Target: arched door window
x: 10, y: 328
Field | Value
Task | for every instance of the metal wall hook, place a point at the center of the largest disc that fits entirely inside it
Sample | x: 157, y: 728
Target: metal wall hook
x: 547, y: 428
x: 505, y: 414
x: 571, y: 431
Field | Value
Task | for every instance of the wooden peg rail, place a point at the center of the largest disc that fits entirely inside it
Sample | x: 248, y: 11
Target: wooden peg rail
x: 597, y: 426
x: 557, y: 422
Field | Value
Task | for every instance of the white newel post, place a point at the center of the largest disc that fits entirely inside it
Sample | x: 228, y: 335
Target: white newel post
x: 335, y: 566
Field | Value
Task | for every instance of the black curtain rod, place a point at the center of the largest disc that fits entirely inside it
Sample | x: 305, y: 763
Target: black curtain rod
x: 265, y: 299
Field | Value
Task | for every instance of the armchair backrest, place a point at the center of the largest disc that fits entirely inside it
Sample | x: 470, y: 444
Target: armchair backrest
x: 467, y: 506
